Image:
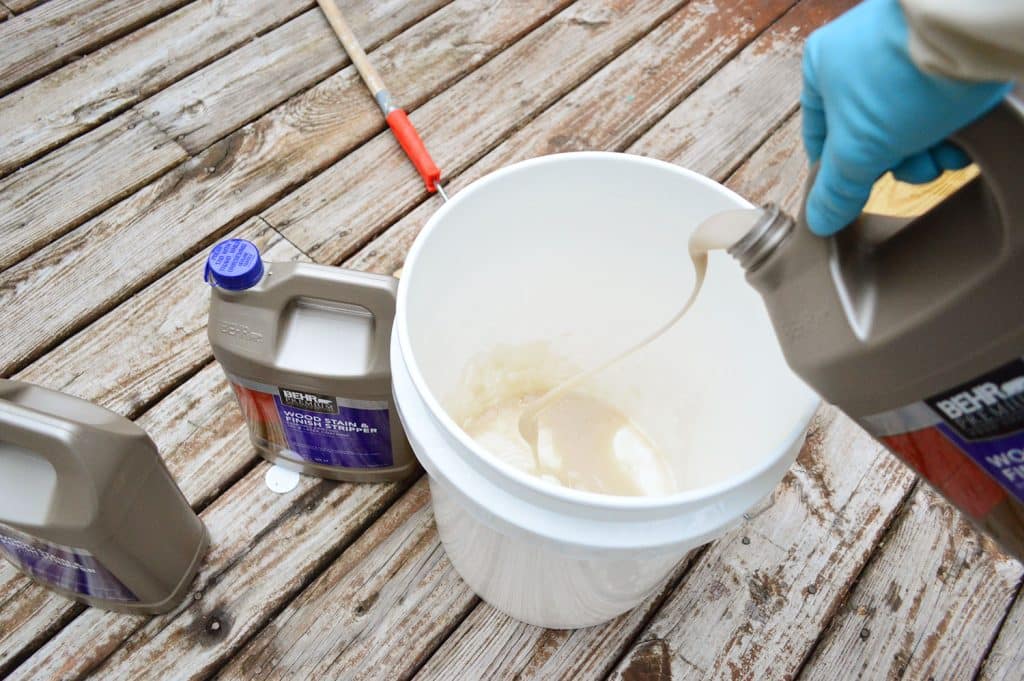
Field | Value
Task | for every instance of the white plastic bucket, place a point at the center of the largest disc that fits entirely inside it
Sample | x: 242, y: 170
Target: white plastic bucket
x: 589, y: 251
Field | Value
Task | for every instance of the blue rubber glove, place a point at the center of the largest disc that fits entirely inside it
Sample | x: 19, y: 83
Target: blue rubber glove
x: 868, y: 109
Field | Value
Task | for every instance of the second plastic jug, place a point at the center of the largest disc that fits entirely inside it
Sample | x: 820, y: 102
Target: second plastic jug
x: 305, y: 348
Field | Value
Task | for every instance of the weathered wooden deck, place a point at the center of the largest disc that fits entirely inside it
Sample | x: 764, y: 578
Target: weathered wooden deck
x: 136, y: 133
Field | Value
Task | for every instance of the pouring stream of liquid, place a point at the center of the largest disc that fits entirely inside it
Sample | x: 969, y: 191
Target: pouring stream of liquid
x: 720, y: 231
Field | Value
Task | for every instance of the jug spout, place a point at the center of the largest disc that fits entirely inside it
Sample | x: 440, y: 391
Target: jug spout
x: 771, y: 225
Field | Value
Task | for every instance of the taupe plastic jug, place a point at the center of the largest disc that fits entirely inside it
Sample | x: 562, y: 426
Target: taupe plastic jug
x: 87, y: 507
x: 916, y: 328
x: 306, y: 350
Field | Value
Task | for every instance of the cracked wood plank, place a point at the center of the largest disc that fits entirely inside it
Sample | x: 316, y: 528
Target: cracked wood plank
x: 196, y: 111
x: 102, y: 263
x: 85, y: 93
x: 40, y: 40
x: 926, y: 606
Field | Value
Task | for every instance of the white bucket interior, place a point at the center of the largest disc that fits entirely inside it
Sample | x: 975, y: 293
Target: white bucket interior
x: 589, y: 252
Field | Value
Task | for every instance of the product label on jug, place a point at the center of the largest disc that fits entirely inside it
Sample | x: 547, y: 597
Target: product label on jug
x: 321, y: 429
x: 61, y: 566
x: 967, y: 441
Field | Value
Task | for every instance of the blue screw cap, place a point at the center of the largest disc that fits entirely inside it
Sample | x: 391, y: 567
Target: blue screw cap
x: 234, y: 265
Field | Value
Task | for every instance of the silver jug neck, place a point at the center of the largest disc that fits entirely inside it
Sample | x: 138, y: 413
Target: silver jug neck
x: 757, y: 245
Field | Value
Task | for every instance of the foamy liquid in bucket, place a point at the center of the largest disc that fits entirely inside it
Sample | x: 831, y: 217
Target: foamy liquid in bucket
x: 532, y: 409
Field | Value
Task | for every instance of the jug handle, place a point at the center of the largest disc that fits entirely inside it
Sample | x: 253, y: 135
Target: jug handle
x: 876, y: 250
x: 376, y: 292
x: 995, y: 142
x: 63, y: 463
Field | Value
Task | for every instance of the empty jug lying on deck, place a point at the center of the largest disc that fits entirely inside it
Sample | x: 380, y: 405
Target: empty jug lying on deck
x: 305, y: 348
x: 87, y: 507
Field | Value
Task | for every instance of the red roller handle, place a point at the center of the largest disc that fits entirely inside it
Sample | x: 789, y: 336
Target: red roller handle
x: 414, y: 148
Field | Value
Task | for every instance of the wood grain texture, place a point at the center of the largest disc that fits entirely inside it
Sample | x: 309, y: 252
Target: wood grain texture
x: 764, y: 76
x: 927, y: 605
x: 84, y: 94
x: 138, y: 239
x: 19, y: 6
x: 394, y: 578
x: 490, y: 645
x: 1006, y: 659
x: 661, y: 68
x: 199, y: 417
x: 197, y: 111
x: 156, y: 339
x: 40, y: 40
x: 45, y: 200
x: 205, y: 106
x: 459, y: 125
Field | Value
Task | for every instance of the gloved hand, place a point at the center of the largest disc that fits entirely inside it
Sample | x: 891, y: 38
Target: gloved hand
x: 868, y: 109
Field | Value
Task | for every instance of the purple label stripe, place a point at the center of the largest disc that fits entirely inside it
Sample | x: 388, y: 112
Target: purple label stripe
x: 1001, y: 457
x: 65, y: 567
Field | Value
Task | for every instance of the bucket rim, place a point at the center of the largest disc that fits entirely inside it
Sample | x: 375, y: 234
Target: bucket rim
x: 492, y: 464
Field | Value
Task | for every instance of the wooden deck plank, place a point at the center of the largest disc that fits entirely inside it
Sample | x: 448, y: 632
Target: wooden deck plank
x: 87, y: 92
x: 40, y: 40
x: 1006, y: 659
x: 201, y: 108
x: 206, y: 446
x: 593, y: 118
x: 459, y: 126
x: 43, y: 201
x: 491, y: 645
x: 137, y: 351
x: 19, y: 6
x: 138, y: 239
x: 766, y: 75
x: 926, y: 606
x: 205, y: 106
x: 394, y: 578
x: 201, y: 417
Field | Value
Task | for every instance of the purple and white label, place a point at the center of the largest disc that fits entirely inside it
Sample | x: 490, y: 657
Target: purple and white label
x: 321, y: 429
x: 65, y: 567
x: 964, y: 439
